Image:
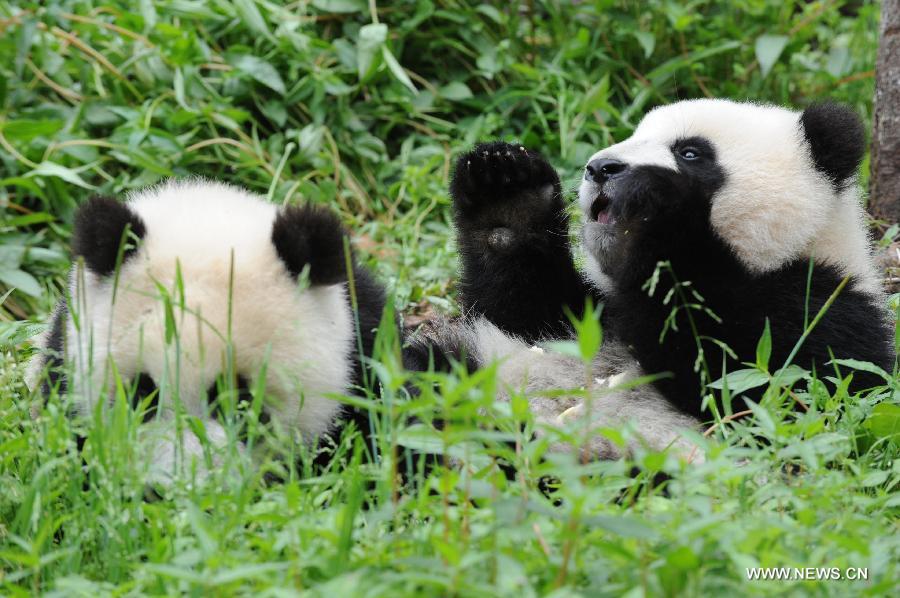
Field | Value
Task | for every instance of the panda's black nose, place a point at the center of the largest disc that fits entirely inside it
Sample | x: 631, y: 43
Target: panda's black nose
x: 604, y: 169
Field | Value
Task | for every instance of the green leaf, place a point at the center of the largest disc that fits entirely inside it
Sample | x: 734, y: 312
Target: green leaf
x: 340, y: 6
x: 768, y: 49
x: 57, y: 170
x: 864, y: 366
x: 27, y: 184
x: 14, y: 333
x: 589, y: 332
x: 148, y: 12
x: 683, y: 558
x: 764, y: 348
x: 258, y: 69
x: 839, y: 61
x: 251, y: 16
x: 26, y: 130
x: 29, y: 219
x: 647, y: 41
x: 178, y: 84
x: 741, y: 380
x: 456, y: 91
x: 21, y: 280
x: 275, y: 111
x: 569, y: 348
x: 762, y: 416
x: 622, y: 525
x: 491, y: 13
x: 884, y: 422
x: 371, y: 39
x: 397, y: 70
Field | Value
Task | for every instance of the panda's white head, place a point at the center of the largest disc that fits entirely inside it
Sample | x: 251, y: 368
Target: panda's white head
x: 780, y: 184
x: 212, y: 282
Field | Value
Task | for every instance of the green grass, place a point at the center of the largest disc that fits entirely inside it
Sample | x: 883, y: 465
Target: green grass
x: 315, y: 101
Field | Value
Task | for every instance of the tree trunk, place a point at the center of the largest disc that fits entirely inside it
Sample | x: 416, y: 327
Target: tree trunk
x: 884, y: 200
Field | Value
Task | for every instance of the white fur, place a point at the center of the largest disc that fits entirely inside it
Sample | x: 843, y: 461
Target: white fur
x: 220, y: 238
x: 523, y: 369
x: 775, y: 206
x: 172, y: 458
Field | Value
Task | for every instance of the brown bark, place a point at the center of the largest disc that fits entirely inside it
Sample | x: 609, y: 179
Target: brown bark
x: 884, y: 199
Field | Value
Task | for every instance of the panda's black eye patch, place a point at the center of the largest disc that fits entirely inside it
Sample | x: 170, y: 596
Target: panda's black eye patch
x: 693, y: 149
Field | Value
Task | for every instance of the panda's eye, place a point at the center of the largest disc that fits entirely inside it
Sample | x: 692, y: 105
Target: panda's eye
x: 689, y: 153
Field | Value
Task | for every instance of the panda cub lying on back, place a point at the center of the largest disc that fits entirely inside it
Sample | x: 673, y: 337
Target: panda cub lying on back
x: 214, y: 292
x: 736, y: 212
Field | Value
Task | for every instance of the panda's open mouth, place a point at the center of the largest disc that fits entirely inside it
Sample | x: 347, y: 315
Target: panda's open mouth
x: 600, y: 209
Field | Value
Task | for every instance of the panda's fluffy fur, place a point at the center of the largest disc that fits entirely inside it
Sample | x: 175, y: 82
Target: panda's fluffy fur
x: 253, y: 290
x: 744, y: 202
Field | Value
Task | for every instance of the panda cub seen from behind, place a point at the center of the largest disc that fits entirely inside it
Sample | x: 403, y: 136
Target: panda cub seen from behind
x: 214, y: 292
x: 753, y: 208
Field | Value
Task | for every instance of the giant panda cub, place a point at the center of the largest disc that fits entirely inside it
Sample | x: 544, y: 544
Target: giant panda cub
x: 190, y: 294
x: 712, y: 218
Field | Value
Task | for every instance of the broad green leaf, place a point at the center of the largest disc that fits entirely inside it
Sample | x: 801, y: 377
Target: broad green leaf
x: 768, y: 49
x: 371, y: 39
x: 490, y: 12
x: 148, y: 12
x: 178, y: 84
x: 258, y: 69
x: 26, y: 130
x: 21, y: 280
x: 884, y: 422
x: 741, y: 380
x: 397, y: 70
x: 29, y: 219
x: 762, y: 416
x: 340, y: 6
x: 57, y: 170
x: 839, y: 60
x: 622, y: 525
x: 27, y: 184
x: 570, y: 348
x: 647, y: 41
x: 252, y: 17
x: 456, y: 90
x: 864, y: 366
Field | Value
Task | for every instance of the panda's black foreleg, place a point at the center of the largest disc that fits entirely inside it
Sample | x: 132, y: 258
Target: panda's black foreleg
x: 513, y: 240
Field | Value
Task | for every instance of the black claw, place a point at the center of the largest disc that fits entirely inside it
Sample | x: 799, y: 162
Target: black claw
x: 498, y: 171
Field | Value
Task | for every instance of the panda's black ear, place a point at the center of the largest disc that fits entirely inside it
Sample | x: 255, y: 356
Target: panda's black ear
x: 102, y: 226
x: 311, y: 237
x: 836, y: 138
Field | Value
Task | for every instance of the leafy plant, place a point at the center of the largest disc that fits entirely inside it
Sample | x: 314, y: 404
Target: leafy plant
x: 363, y: 105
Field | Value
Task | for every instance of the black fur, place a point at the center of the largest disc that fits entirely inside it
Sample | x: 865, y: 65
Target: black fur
x: 852, y: 327
x: 370, y: 302
x: 313, y: 237
x: 144, y: 387
x: 513, y: 236
x: 239, y: 388
x: 100, y: 228
x: 836, y: 139
x: 424, y: 354
x: 55, y: 352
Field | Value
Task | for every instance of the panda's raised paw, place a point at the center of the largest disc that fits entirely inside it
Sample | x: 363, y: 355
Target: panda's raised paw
x: 499, y: 172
